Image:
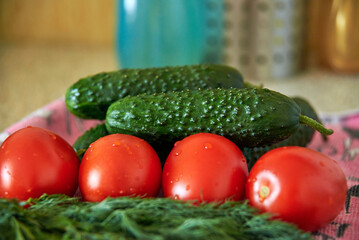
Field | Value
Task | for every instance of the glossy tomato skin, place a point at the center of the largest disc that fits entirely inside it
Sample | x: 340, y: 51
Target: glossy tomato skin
x: 298, y: 185
x: 34, y: 161
x: 205, y: 167
x: 119, y: 165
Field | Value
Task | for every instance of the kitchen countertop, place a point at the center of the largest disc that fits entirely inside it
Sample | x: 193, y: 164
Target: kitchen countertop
x: 34, y: 75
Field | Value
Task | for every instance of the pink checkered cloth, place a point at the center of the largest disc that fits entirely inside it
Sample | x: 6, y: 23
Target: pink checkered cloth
x: 343, y: 146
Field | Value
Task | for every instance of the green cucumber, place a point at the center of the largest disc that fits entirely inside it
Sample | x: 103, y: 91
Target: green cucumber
x: 302, y: 137
x: 90, y: 97
x: 249, y: 117
x: 83, y: 142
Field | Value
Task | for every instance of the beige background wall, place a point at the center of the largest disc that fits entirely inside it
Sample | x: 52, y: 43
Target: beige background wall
x: 47, y: 45
x: 58, y: 21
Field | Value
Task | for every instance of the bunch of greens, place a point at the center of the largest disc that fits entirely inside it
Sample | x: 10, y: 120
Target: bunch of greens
x: 62, y: 217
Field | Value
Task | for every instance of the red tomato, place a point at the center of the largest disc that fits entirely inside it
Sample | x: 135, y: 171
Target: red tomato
x: 205, y: 167
x: 298, y: 185
x: 119, y: 165
x: 34, y: 161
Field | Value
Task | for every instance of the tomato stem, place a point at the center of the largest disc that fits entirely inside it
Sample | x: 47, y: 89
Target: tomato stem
x: 314, y: 124
x: 264, y: 191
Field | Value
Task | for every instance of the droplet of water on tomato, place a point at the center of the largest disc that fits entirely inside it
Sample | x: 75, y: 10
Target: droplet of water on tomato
x: 252, y: 179
x: 207, y: 146
x: 53, y: 136
x: 177, y: 153
x: 116, y: 144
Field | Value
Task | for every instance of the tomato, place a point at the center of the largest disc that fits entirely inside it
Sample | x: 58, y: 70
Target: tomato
x: 205, y: 167
x: 34, y: 161
x: 298, y: 185
x: 119, y: 165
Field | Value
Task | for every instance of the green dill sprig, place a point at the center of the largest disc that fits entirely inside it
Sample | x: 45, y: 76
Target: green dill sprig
x: 61, y: 217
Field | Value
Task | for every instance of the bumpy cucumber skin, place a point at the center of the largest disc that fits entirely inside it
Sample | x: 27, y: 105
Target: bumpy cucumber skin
x: 302, y: 137
x: 249, y: 117
x: 90, y: 97
x: 83, y: 142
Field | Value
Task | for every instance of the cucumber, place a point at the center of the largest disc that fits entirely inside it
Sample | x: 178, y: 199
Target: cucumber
x: 301, y: 137
x: 249, y: 117
x: 90, y: 97
x: 83, y: 142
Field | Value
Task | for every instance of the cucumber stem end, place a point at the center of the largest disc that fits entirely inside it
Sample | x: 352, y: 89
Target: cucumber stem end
x: 316, y: 125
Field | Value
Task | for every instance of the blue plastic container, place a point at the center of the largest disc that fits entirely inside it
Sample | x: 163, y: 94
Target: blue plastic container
x: 155, y: 33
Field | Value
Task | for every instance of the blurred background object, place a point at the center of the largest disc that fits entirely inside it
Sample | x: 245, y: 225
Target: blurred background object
x: 47, y: 45
x: 335, y: 35
x: 265, y: 38
x: 57, y: 21
x: 160, y: 33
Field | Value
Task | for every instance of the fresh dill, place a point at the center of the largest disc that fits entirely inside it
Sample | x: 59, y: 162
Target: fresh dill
x: 62, y: 217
